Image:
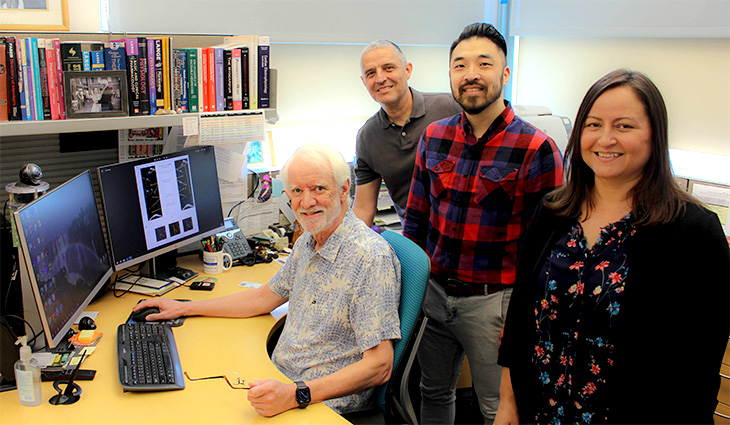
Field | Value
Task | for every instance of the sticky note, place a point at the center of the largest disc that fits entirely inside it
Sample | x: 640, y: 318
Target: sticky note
x: 86, y: 336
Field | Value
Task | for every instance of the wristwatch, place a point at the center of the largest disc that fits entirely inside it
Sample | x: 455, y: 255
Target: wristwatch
x: 302, y: 394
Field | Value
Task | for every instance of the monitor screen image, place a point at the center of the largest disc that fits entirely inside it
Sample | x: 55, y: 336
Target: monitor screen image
x: 63, y: 247
x: 158, y: 204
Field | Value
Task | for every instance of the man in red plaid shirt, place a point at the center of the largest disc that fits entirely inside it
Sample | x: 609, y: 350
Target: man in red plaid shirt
x: 478, y: 178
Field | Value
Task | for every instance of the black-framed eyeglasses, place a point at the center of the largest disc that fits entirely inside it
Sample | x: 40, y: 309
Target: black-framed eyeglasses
x: 232, y: 378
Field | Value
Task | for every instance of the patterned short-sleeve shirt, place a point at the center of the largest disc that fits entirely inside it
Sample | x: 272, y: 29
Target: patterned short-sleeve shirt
x: 343, y: 300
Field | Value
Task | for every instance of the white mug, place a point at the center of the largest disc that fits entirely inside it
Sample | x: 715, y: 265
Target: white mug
x: 215, y: 262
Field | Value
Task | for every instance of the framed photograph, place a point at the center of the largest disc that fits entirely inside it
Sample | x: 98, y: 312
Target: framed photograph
x: 34, y: 15
x: 96, y: 94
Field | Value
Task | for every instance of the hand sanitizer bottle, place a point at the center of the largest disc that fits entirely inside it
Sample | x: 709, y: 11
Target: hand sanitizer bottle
x: 27, y: 375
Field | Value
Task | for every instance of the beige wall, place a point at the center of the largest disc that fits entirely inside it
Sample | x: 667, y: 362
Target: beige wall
x: 693, y: 75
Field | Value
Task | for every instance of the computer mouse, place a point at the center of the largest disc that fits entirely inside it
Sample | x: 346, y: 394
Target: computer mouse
x: 140, y: 315
x: 86, y: 323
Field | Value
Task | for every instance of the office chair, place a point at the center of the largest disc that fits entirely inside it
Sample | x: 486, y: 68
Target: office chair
x: 393, y: 397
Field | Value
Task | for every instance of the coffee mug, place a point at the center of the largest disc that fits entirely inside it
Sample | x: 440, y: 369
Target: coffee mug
x: 215, y: 262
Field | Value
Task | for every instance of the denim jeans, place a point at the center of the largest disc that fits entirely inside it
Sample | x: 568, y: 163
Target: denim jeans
x: 458, y: 326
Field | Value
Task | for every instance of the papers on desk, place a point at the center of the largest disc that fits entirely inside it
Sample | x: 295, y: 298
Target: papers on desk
x: 144, y: 285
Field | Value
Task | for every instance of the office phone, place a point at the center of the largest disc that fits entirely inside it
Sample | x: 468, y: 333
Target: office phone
x: 236, y: 244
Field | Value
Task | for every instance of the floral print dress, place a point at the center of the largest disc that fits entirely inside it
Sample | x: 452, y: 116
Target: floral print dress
x: 580, y: 291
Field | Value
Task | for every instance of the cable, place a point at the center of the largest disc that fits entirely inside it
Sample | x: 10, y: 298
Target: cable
x: 250, y: 195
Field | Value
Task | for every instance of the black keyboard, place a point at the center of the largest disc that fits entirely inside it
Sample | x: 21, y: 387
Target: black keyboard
x: 147, y: 357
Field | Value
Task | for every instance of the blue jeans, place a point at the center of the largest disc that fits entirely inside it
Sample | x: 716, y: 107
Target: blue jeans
x: 458, y: 326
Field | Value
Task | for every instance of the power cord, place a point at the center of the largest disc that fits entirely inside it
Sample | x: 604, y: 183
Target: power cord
x: 250, y: 195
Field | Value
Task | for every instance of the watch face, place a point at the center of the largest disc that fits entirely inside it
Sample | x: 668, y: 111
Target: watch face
x: 303, y: 396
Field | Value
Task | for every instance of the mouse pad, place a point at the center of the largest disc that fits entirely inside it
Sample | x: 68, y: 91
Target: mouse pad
x: 174, y: 323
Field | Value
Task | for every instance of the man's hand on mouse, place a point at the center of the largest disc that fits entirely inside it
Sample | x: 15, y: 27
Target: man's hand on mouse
x: 169, y: 309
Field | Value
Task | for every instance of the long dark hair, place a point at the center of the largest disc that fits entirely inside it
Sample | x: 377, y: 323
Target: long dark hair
x: 656, y: 197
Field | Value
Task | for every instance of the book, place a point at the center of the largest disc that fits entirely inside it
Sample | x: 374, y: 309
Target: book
x: 4, y: 115
x: 23, y: 80
x: 144, y: 88
x: 220, y: 97
x: 43, y: 78
x: 151, y: 75
x: 60, y: 83
x: 192, y: 58
x: 115, y: 57
x: 34, y: 67
x: 52, y: 83
x: 97, y: 60
x: 12, y: 79
x: 155, y: 54
x: 263, y: 80
x: 164, y: 71
x: 245, y: 79
x: 236, y: 76
x: 251, y: 42
x: 180, y: 80
x: 204, y: 80
x: 228, y: 83
x: 210, y: 57
x: 132, y: 50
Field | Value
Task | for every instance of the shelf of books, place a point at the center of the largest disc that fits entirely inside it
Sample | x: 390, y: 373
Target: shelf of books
x: 57, y: 85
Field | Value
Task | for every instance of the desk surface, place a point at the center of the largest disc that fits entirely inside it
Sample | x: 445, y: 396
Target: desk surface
x: 207, y: 346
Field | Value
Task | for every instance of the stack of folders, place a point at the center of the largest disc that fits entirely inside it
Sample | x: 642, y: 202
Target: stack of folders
x: 145, y: 285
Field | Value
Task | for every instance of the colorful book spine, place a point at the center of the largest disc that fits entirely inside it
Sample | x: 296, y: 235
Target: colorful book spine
x: 28, y: 83
x: 192, y: 58
x: 4, y: 92
x: 167, y: 43
x: 86, y: 60
x: 157, y: 52
x: 13, y: 80
x: 97, y: 60
x: 22, y: 80
x: 36, y: 75
x: 204, y: 80
x: 144, y: 88
x: 151, y: 76
x: 263, y: 72
x: 115, y: 57
x: 236, y: 84
x: 52, y: 83
x: 180, y: 72
x: 220, y: 96
x: 228, y: 79
x: 130, y: 45
x: 60, y: 83
x: 245, y: 79
x: 211, y: 79
x: 43, y: 78
x: 72, y: 57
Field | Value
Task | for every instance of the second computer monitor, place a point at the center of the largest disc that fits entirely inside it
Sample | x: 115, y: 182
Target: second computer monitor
x: 155, y: 205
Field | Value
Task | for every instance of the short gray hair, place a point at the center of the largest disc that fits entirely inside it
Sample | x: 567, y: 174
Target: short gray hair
x: 324, y: 157
x: 384, y: 44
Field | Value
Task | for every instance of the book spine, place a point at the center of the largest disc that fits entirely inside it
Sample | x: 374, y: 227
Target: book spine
x: 204, y: 81
x: 4, y: 92
x: 228, y: 80
x: 211, y: 79
x: 151, y: 76
x: 201, y: 61
x: 115, y: 57
x: 97, y: 60
x: 13, y: 81
x: 28, y: 80
x: 192, y: 80
x: 36, y: 72
x: 180, y: 80
x: 236, y: 87
x: 23, y: 79
x: 263, y: 72
x: 130, y: 45
x: 52, y: 83
x: 245, y: 79
x: 86, y: 60
x: 220, y: 96
x: 71, y: 57
x: 60, y: 83
x: 167, y: 70
x: 159, y: 77
x: 144, y: 93
x: 43, y: 77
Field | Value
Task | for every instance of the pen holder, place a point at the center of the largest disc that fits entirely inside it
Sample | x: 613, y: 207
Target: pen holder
x: 216, y: 262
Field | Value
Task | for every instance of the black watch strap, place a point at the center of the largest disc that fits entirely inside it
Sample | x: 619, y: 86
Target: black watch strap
x: 302, y: 394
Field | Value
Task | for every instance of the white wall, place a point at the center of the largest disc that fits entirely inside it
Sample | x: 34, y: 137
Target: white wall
x: 83, y: 15
x: 693, y: 75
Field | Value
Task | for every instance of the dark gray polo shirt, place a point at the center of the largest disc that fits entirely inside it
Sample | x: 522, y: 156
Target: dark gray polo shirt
x: 388, y: 151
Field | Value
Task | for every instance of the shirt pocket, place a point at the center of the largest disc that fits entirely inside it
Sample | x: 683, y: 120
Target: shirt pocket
x: 496, y: 186
x: 442, y: 177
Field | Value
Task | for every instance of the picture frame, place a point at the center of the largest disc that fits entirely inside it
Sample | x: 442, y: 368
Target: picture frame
x: 96, y: 94
x: 41, y: 15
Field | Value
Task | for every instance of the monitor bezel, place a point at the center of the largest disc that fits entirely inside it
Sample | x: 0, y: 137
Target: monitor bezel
x: 151, y: 254
x: 52, y: 341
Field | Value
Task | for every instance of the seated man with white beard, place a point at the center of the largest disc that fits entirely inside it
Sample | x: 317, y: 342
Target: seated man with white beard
x: 343, y: 283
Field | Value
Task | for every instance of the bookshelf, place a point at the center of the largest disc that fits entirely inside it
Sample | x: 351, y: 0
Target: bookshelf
x: 36, y: 128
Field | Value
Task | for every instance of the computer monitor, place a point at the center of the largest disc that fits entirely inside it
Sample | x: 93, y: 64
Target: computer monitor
x: 62, y: 246
x: 158, y: 204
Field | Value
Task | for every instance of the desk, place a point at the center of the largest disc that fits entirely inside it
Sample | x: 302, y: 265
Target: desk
x: 206, y: 345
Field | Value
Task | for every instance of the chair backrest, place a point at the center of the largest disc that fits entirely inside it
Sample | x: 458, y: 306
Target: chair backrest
x: 415, y: 270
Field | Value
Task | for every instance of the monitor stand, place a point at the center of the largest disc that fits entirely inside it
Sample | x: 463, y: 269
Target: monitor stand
x: 164, y: 267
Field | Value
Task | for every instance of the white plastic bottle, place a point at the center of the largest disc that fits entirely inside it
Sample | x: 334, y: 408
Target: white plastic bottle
x: 27, y: 375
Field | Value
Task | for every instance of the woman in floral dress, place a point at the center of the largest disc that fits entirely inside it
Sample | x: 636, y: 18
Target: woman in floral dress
x: 620, y: 313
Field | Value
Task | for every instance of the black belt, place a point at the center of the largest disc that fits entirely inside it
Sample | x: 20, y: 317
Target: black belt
x: 459, y: 288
